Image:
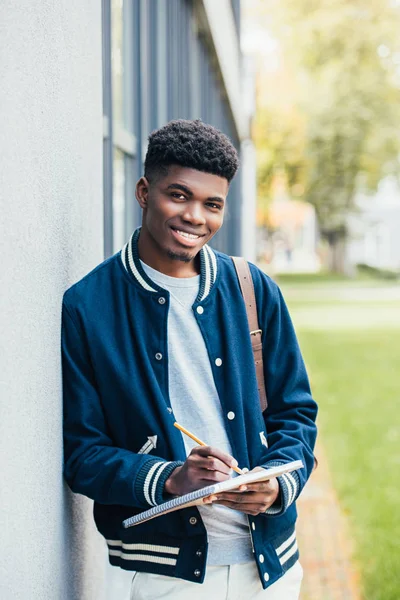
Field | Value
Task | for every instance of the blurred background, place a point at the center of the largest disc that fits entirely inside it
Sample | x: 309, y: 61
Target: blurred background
x: 308, y: 91
x: 326, y: 132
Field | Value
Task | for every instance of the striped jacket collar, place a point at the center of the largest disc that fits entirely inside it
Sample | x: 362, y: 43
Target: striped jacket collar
x: 131, y: 262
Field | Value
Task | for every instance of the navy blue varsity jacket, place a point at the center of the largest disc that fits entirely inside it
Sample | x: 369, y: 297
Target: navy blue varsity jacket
x: 120, y: 444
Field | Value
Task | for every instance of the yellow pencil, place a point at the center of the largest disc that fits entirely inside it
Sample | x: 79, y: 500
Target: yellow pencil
x: 200, y: 442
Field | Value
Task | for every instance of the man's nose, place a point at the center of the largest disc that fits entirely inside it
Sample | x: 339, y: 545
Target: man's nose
x: 194, y: 214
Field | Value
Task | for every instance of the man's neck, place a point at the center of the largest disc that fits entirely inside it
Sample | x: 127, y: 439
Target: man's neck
x: 150, y: 254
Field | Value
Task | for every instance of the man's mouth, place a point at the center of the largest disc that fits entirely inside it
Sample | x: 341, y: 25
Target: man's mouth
x: 190, y: 236
x: 186, y: 236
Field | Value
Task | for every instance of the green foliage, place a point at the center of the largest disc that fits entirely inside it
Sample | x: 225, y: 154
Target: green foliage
x: 280, y: 144
x: 343, y: 61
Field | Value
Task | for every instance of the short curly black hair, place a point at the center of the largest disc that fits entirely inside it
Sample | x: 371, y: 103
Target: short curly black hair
x: 191, y: 144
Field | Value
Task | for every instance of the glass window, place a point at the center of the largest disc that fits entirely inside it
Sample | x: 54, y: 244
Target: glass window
x: 120, y: 149
x: 119, y: 200
x: 117, y: 60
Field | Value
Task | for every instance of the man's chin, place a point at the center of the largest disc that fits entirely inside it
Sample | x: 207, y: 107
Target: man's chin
x: 182, y: 256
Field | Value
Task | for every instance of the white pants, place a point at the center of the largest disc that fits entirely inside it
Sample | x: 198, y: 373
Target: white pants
x: 236, y: 582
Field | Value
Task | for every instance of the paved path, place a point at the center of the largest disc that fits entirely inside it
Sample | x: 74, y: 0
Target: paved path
x: 324, y: 542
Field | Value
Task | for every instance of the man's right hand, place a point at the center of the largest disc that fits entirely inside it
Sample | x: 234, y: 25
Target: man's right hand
x: 204, y: 466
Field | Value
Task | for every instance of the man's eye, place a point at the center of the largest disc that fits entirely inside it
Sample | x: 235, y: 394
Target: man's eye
x: 178, y: 195
x: 214, y: 206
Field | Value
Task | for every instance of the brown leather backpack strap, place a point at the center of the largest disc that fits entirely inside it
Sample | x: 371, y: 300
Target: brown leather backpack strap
x: 247, y: 288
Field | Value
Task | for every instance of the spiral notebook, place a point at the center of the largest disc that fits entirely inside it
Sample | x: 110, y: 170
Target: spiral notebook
x: 197, y: 496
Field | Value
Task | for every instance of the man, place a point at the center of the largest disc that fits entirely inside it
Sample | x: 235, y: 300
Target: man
x: 156, y: 334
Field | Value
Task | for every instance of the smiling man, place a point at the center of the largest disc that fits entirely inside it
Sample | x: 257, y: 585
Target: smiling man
x: 156, y: 334
x: 182, y: 211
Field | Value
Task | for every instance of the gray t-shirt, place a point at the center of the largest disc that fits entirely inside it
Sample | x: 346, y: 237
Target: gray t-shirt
x: 196, y: 406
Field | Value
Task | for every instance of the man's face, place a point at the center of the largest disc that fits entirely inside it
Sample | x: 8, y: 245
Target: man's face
x: 181, y: 210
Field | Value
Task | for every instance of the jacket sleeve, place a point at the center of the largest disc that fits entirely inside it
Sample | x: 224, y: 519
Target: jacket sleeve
x: 291, y: 412
x: 93, y: 465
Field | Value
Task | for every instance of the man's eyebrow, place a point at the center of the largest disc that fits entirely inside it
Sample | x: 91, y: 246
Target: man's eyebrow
x: 179, y: 186
x: 188, y: 191
x: 216, y: 199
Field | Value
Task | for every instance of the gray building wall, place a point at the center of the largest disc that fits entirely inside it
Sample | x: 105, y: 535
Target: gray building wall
x: 52, y: 135
x: 51, y: 234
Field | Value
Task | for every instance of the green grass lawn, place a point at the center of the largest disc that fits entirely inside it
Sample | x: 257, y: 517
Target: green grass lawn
x: 352, y: 350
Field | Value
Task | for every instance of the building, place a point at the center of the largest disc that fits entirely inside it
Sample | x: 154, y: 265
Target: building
x: 162, y: 61
x: 374, y: 228
x: 83, y: 83
x: 293, y: 241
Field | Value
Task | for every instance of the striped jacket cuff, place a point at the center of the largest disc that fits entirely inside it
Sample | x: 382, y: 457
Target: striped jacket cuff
x: 150, y: 481
x: 289, y: 489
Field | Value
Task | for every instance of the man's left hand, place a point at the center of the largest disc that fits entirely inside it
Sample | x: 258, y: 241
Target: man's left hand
x: 252, y: 499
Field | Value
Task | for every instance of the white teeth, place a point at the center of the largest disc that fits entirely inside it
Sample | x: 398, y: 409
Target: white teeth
x: 190, y: 236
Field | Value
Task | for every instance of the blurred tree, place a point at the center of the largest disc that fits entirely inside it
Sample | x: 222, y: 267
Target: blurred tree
x: 335, y: 127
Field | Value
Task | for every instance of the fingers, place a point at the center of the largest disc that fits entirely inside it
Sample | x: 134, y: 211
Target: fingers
x: 247, y: 508
x: 210, y: 477
x: 208, y: 468
x: 211, y: 459
x: 269, y: 486
x: 251, y: 503
x: 241, y: 499
x: 210, y: 463
x: 215, y: 453
x: 262, y: 486
x: 257, y: 499
x: 204, y: 466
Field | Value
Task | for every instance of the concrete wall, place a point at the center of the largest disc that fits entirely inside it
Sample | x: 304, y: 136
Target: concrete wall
x: 51, y: 219
x: 51, y: 234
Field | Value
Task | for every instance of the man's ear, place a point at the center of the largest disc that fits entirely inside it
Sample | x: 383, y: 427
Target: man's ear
x: 141, y: 192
